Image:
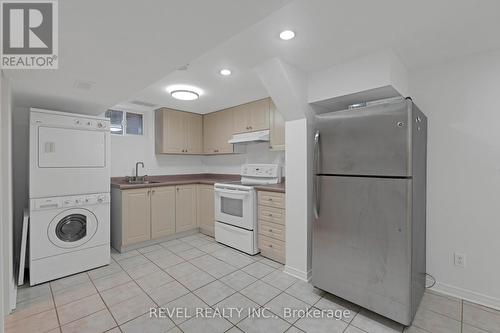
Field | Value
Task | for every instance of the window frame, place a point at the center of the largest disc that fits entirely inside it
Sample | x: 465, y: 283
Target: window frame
x: 124, y: 122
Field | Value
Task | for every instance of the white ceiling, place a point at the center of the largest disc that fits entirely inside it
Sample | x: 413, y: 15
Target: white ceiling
x: 125, y: 47
x: 330, y: 32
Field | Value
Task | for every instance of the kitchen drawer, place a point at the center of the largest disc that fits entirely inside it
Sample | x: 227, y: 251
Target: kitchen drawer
x: 271, y: 214
x: 272, y: 248
x: 272, y: 199
x: 273, y: 230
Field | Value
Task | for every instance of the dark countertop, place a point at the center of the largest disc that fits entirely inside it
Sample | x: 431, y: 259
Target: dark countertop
x: 168, y: 180
x: 199, y: 178
x: 272, y: 188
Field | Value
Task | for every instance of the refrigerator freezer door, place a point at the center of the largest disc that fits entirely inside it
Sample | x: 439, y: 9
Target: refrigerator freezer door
x: 372, y: 141
x: 362, y: 243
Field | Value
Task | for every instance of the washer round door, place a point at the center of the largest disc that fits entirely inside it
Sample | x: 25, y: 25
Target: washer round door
x: 72, y: 228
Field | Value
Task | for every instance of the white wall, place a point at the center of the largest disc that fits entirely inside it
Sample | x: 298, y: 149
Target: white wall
x: 287, y: 86
x: 373, y: 71
x: 7, y: 276
x: 298, y: 243
x: 253, y: 153
x: 20, y: 156
x: 461, y: 100
x: 127, y: 150
x: 3, y: 259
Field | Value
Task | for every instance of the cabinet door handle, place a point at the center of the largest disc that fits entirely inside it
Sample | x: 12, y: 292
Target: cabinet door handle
x: 270, y: 230
x: 270, y: 199
x: 153, y: 191
x: 271, y: 215
x: 270, y: 245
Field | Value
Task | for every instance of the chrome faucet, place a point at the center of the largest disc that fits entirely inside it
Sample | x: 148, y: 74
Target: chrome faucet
x: 137, y: 169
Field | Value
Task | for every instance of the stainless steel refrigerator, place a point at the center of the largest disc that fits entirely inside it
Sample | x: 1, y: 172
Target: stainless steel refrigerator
x: 369, y: 205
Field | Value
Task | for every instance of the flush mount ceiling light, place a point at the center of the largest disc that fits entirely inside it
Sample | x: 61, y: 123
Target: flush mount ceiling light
x: 225, y: 72
x: 287, y: 34
x: 185, y: 95
x: 184, y: 92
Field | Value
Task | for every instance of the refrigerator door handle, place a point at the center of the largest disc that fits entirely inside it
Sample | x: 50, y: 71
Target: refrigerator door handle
x: 316, y: 190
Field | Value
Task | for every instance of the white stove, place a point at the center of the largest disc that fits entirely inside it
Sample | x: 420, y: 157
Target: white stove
x: 236, y: 206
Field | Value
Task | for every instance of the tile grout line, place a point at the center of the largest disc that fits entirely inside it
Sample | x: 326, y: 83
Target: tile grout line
x: 461, y: 316
x: 152, y: 300
x: 174, y: 279
x: 55, y: 307
x: 161, y: 269
x: 102, y: 299
x: 216, y: 279
x: 72, y: 321
x: 34, y: 299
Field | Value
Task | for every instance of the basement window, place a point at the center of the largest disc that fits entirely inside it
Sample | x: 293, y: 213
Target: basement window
x: 125, y: 123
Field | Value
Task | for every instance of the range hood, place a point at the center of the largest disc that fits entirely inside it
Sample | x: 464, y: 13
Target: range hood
x: 259, y: 136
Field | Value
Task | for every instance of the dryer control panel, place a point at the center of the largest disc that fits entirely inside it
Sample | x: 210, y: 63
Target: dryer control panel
x: 70, y: 201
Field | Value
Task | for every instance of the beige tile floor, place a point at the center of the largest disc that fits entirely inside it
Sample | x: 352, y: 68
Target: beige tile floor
x: 196, y: 272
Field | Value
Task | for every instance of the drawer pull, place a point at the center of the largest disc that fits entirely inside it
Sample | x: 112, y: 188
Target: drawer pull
x: 270, y: 199
x: 270, y: 245
x: 271, y: 215
x: 270, y: 230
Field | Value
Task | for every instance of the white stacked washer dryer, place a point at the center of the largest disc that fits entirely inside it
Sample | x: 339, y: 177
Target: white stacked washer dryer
x: 69, y: 194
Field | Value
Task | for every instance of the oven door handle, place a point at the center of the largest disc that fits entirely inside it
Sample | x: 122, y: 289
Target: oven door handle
x: 244, y: 193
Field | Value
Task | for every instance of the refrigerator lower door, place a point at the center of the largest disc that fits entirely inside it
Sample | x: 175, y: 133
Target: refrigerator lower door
x: 362, y: 243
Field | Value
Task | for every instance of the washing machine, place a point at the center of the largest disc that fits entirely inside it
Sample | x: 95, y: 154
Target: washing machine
x: 68, y: 235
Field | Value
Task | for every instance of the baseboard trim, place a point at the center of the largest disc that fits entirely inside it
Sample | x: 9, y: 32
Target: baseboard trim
x: 468, y: 295
x: 299, y: 274
x: 126, y: 248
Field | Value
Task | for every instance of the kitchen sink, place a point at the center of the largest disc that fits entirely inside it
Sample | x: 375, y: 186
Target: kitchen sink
x: 142, y: 182
x: 139, y: 180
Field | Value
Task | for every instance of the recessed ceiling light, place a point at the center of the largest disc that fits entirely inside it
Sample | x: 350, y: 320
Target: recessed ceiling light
x: 287, y: 34
x: 225, y: 72
x: 184, y: 92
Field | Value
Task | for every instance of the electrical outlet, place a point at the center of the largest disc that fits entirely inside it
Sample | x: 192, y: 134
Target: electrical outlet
x: 459, y: 259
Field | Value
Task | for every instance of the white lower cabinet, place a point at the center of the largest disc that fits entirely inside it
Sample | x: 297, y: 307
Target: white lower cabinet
x: 146, y: 214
